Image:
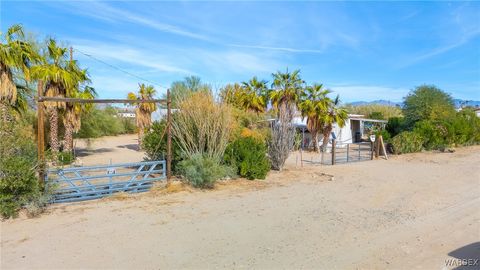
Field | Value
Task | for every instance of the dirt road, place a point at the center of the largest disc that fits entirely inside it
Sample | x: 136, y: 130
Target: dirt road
x: 409, y: 212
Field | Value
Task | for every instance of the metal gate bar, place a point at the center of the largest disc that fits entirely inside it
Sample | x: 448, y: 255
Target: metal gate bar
x: 86, y: 183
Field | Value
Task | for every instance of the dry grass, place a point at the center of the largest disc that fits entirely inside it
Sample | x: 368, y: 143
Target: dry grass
x: 174, y: 187
x: 202, y: 126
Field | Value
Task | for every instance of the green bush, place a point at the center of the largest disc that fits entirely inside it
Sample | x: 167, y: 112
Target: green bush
x: 407, y: 142
x: 203, y: 172
x: 395, y: 125
x: 104, y: 122
x: 18, y: 162
x: 65, y: 158
x: 435, y: 134
x: 385, y: 135
x: 154, y: 144
x: 466, y: 128
x: 249, y: 156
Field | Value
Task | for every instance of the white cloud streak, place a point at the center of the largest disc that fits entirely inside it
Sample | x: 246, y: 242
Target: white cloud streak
x: 286, y: 49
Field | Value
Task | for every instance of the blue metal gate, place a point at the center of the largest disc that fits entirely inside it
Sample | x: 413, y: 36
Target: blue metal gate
x: 86, y: 183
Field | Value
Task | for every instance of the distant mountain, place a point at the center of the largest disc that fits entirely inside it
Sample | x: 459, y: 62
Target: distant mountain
x: 458, y: 103
x: 464, y: 103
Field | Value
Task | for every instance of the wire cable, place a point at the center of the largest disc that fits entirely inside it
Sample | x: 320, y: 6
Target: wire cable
x: 119, y: 69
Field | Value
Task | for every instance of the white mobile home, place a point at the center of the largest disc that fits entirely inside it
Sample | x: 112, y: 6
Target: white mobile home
x: 356, y: 130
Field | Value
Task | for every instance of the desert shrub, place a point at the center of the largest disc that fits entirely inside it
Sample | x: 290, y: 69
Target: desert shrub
x: 375, y: 111
x: 98, y: 123
x: 202, y: 126
x: 435, y: 134
x: 407, y: 142
x: 65, y: 158
x: 202, y: 171
x: 385, y: 135
x: 154, y: 144
x: 466, y: 128
x: 249, y: 156
x: 462, y: 129
x: 395, y: 125
x: 282, y: 138
x: 18, y: 162
x: 128, y: 124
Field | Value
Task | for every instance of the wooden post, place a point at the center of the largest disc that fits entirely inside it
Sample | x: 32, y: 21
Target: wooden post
x: 348, y: 151
x: 371, y: 150
x: 383, y: 147
x: 169, y: 137
x: 377, y: 147
x: 333, y: 151
x: 40, y: 133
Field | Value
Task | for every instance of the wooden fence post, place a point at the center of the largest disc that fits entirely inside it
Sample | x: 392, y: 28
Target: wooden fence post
x: 40, y: 133
x: 333, y: 151
x: 169, y: 138
x: 371, y: 150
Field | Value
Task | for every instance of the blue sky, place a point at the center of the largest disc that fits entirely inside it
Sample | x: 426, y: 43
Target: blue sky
x: 361, y: 50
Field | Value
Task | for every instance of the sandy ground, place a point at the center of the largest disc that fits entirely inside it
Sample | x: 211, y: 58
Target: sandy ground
x: 109, y: 149
x: 410, y: 212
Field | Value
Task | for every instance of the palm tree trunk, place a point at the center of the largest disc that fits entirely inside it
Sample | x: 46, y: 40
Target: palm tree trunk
x: 68, y: 144
x: 314, y: 140
x: 140, y: 137
x: 54, y: 145
x: 326, y: 135
x: 6, y: 116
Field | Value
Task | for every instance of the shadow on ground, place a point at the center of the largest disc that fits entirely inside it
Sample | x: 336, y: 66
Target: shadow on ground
x: 132, y: 146
x: 469, y: 253
x: 86, y: 152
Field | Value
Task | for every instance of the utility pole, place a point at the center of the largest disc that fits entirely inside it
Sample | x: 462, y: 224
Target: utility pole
x: 71, y: 53
x: 169, y: 138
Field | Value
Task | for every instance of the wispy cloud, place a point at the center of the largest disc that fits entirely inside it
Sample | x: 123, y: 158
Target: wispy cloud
x: 103, y: 11
x: 128, y: 55
x: 440, y: 50
x: 351, y: 92
x: 286, y: 49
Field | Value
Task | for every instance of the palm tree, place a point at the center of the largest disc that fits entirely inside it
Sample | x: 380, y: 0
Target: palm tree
x: 255, y: 96
x: 16, y: 55
x: 313, y: 104
x: 144, y: 110
x: 232, y: 94
x: 287, y: 88
x: 59, y: 80
x: 333, y: 114
x: 74, y: 112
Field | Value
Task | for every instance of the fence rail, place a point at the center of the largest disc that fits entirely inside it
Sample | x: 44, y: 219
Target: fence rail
x: 348, y: 152
x: 86, y: 183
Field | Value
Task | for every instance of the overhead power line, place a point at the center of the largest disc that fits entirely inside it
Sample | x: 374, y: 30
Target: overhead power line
x: 119, y: 69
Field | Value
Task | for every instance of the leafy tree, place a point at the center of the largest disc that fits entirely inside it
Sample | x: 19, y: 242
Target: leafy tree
x: 427, y: 102
x: 16, y: 55
x: 144, y: 110
x: 313, y: 104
